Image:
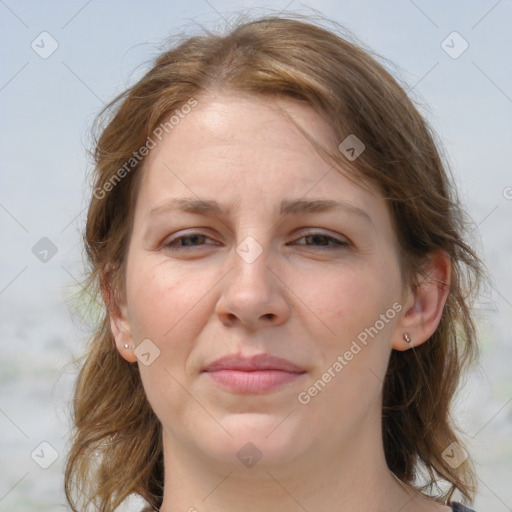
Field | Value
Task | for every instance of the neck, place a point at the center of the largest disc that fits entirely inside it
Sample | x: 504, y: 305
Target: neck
x: 334, y: 476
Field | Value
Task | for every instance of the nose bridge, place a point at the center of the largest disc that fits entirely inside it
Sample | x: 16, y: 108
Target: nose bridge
x: 251, y: 292
x: 251, y: 274
x: 253, y: 239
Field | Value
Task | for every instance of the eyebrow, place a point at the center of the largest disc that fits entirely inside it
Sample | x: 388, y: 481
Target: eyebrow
x: 288, y: 207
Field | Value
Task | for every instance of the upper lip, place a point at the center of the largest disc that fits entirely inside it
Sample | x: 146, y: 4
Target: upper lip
x: 252, y: 363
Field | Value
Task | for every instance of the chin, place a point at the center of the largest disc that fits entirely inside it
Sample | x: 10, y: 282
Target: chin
x: 259, y: 440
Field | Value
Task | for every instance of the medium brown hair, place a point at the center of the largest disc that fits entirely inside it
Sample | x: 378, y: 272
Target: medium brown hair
x: 278, y: 56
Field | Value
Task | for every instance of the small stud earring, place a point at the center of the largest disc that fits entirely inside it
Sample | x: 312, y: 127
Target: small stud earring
x: 126, y: 346
x: 407, y: 338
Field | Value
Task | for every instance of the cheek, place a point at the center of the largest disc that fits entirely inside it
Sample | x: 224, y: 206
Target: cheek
x: 159, y: 300
x: 149, y: 304
x: 357, y: 307
x: 163, y: 306
x: 350, y: 300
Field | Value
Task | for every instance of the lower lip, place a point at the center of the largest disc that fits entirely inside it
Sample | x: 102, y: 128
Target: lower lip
x: 256, y: 381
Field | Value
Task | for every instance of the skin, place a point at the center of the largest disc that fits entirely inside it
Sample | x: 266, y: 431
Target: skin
x: 299, y: 299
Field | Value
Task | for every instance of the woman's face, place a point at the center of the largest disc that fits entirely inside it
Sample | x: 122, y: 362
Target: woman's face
x: 241, y: 266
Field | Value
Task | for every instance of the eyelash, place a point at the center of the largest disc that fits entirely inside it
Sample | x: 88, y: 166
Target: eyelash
x: 339, y: 243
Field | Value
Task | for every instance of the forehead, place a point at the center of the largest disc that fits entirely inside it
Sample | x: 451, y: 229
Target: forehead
x: 264, y: 122
x: 249, y: 147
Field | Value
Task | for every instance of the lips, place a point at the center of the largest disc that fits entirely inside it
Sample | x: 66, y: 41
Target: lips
x: 253, y: 363
x: 255, y: 374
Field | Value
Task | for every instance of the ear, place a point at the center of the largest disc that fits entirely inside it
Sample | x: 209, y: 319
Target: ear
x: 424, y: 304
x: 118, y: 313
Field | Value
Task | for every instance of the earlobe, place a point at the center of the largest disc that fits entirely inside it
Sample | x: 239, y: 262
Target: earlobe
x: 121, y: 331
x: 119, y: 325
x: 424, y: 307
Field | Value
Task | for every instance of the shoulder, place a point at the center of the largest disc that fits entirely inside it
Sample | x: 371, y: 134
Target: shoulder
x: 457, y: 507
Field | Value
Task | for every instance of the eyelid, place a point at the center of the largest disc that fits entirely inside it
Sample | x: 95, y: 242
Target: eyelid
x: 338, y: 241
x: 167, y: 242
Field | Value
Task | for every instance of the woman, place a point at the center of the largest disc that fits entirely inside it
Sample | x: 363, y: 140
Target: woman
x: 287, y: 287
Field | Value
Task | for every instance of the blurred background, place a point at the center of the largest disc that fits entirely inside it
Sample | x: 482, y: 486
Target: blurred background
x: 62, y: 61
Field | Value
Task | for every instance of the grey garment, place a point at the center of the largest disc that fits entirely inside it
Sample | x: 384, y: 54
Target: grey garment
x: 457, y: 507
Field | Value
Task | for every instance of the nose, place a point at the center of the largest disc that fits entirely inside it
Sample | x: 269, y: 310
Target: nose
x: 253, y: 296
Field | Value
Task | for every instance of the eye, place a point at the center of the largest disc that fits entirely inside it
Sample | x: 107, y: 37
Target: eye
x: 323, y: 240
x: 186, y: 242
